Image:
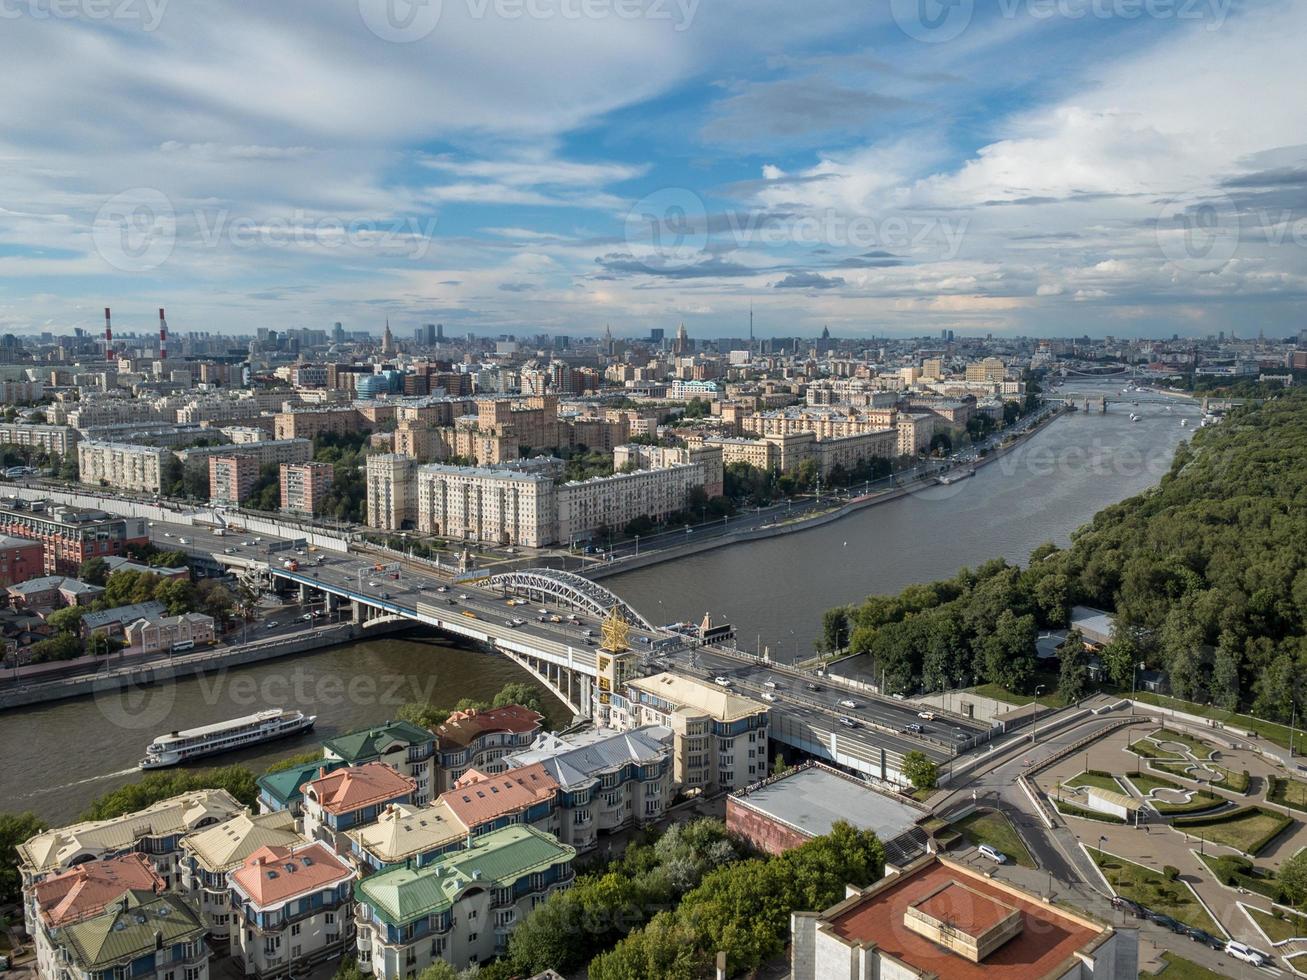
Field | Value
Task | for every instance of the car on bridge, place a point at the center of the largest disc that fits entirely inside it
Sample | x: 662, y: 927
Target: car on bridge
x: 848, y: 703
x: 722, y: 681
x: 848, y: 722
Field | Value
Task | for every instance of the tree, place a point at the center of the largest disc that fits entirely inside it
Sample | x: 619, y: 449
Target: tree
x: 518, y: 692
x: 1293, y: 878
x: 64, y: 646
x: 156, y: 786
x: 94, y: 571
x: 440, y: 970
x: 920, y: 771
x: 15, y: 828
x: 67, y: 620
x: 1073, y: 677
x: 835, y: 629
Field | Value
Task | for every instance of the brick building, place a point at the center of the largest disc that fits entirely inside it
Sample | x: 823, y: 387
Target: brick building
x: 20, y: 560
x: 231, y: 478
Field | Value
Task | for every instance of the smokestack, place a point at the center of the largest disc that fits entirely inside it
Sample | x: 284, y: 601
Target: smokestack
x: 108, y: 336
x: 163, y: 336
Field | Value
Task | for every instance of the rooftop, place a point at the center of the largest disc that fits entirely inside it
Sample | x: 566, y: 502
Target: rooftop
x: 57, y: 848
x: 287, y: 786
x: 709, y: 699
x: 367, y: 744
x: 273, y: 875
x: 227, y: 845
x: 88, y: 889
x: 405, y: 894
x: 1039, y: 943
x: 579, y: 762
x: 464, y: 727
x: 123, y: 614
x: 403, y: 831
x: 130, y: 929
x: 813, y: 798
x: 355, y: 787
x: 478, y: 798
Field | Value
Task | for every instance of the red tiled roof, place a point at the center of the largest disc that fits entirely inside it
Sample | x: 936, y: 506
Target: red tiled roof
x: 355, y: 787
x: 1047, y: 939
x: 464, y: 727
x: 479, y: 798
x: 271, y: 875
x: 86, y: 890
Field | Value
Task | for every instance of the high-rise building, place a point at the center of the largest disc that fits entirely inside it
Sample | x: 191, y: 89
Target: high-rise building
x: 304, y: 486
x: 232, y: 477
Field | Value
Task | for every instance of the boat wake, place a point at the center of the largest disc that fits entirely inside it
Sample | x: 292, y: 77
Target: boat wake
x: 81, y: 782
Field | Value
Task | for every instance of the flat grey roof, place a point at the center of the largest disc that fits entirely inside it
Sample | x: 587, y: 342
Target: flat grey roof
x: 813, y: 799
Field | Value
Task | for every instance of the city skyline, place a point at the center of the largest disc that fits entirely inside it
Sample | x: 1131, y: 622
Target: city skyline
x: 1039, y: 169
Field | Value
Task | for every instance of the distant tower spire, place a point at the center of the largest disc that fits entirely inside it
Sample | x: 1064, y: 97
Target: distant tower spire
x: 163, y: 336
x: 109, y: 352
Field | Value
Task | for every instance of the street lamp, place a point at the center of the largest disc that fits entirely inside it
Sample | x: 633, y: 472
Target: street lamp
x: 1034, y: 731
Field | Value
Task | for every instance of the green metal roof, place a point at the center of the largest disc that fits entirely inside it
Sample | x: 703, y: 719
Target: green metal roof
x: 285, y: 786
x: 496, y: 860
x: 368, y: 743
x: 128, y: 929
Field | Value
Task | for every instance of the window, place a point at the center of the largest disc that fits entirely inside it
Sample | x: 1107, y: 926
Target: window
x: 295, y: 929
x: 472, y: 937
x: 330, y: 918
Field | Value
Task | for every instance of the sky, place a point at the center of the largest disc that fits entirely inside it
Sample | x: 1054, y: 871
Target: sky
x: 881, y: 167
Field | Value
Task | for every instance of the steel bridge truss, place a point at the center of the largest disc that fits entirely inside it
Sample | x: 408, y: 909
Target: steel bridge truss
x: 566, y: 587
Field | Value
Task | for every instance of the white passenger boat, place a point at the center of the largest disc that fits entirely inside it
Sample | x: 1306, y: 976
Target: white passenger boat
x: 178, y: 747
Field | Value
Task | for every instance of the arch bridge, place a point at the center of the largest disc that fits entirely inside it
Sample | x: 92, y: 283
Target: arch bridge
x: 566, y: 587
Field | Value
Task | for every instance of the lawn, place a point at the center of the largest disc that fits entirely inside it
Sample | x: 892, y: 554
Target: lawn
x: 1288, y: 792
x: 1199, y: 799
x: 1049, y: 699
x: 1179, y: 968
x: 1149, y: 888
x: 1197, y: 746
x: 1095, y: 777
x: 1279, y: 734
x: 1248, y: 829
x: 1288, y: 926
x: 1235, y: 782
x: 1239, y: 872
x: 1150, y: 750
x: 997, y: 831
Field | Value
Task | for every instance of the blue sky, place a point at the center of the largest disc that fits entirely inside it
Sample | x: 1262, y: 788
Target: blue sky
x: 896, y: 167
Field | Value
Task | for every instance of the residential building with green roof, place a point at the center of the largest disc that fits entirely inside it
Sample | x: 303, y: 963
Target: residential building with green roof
x: 460, y: 908
x: 407, y: 748
x: 143, y: 936
x: 285, y: 790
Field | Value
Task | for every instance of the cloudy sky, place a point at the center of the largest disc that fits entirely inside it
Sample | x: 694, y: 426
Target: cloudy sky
x: 1043, y: 167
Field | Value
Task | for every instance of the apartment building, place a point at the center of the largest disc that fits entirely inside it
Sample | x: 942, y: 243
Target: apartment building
x: 84, y: 892
x: 500, y: 506
x: 613, y: 501
x: 57, y: 440
x: 350, y: 797
x: 607, y: 780
x: 405, y: 834
x: 481, y: 740
x: 20, y: 560
x: 719, y: 737
x: 482, y: 802
x: 460, y: 908
x: 262, y: 451
x: 155, y: 832
x: 143, y: 936
x: 991, y: 370
x: 308, y: 423
x: 21, y: 392
x: 304, y: 486
x: 121, y: 465
x: 71, y: 535
x: 232, y: 478
x: 824, y: 422
x: 285, y: 790
x: 392, y: 492
x: 710, y: 457
x: 407, y: 748
x: 209, y: 855
x: 915, y: 431
x: 293, y: 908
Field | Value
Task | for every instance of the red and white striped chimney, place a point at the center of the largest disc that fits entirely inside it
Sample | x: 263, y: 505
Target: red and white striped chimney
x: 108, y: 336
x: 163, y: 336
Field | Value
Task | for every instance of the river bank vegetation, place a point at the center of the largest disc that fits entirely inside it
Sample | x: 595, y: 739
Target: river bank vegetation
x: 1206, y: 574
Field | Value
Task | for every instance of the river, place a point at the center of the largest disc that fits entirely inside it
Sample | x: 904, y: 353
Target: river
x: 60, y: 756
x: 774, y: 591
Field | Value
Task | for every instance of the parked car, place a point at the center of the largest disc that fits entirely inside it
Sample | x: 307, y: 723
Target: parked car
x: 1166, y: 921
x: 1245, y: 953
x: 1204, y: 937
x: 992, y: 853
